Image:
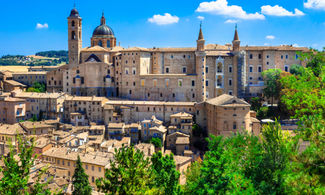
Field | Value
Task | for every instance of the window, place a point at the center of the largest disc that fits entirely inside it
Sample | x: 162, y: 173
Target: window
x: 206, y: 83
x: 73, y: 35
x: 167, y: 70
x: 108, y: 43
x: 92, y: 168
x: 92, y: 179
x: 100, y: 43
x: 133, y: 83
x: 133, y: 71
x: 180, y: 82
x: 286, y: 68
x: 72, y: 23
x: 259, y: 56
x: 193, y: 83
x: 230, y: 68
x: 184, y: 69
x: 281, y: 56
x: 171, y: 56
x: 126, y: 71
x: 250, y: 56
x: 234, y: 126
x: 230, y: 92
x: 260, y: 69
x: 130, y: 92
x: 251, y: 69
x: 207, y: 69
x: 250, y: 78
x: 230, y: 82
x: 267, y: 56
x: 99, y: 169
x: 287, y: 56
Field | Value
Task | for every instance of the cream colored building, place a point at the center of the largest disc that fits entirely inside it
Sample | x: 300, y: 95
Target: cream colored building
x: 225, y: 115
x: 12, y: 110
x: 164, y: 74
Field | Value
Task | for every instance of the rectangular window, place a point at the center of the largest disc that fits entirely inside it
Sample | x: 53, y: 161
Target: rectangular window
x: 230, y: 82
x: 193, y: 83
x: 206, y: 83
x: 133, y: 71
x: 207, y: 69
x: 250, y: 56
x: 230, y: 68
x: 167, y: 70
x: 259, y: 56
x: 184, y: 69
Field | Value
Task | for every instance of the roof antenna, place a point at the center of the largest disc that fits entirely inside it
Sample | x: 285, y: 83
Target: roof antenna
x: 201, y: 24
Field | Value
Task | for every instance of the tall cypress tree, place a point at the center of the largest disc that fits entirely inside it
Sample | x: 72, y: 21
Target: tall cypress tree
x: 80, y: 180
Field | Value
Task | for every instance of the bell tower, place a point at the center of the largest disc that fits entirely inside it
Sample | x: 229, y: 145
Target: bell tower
x: 74, y: 37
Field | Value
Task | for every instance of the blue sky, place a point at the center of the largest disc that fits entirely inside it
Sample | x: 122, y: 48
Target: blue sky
x: 38, y: 25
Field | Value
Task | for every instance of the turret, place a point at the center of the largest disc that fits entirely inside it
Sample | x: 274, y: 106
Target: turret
x: 200, y: 41
x: 236, y: 41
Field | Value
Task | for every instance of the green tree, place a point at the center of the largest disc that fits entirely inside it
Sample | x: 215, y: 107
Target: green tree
x: 255, y: 103
x: 192, y: 176
x: 156, y: 141
x: 129, y: 173
x: 17, y: 168
x: 296, y: 69
x: 166, y: 177
x: 272, y: 84
x: 80, y: 180
x: 315, y: 60
x: 37, y: 87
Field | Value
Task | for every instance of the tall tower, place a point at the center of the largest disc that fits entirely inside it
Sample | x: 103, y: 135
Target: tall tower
x: 238, y: 66
x: 74, y: 37
x: 200, y: 67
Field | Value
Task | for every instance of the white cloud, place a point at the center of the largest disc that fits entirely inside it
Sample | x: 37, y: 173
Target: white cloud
x: 230, y: 21
x: 200, y: 17
x: 296, y: 45
x: 315, y: 4
x: 40, y: 26
x: 266, y: 44
x: 270, y: 37
x: 163, y: 19
x: 221, y: 7
x: 279, y: 11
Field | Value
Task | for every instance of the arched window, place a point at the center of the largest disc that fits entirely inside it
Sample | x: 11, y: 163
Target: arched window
x: 108, y: 71
x: 108, y: 43
x: 100, y: 43
x: 72, y: 23
x: 77, y: 71
x: 73, y: 35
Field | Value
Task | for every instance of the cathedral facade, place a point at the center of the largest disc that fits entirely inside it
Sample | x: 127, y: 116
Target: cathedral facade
x: 164, y: 74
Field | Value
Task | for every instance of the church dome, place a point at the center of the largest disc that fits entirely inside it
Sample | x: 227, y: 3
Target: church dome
x: 103, y: 29
x: 74, y: 13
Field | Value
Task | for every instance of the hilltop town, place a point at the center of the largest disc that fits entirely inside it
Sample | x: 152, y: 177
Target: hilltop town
x: 156, y: 99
